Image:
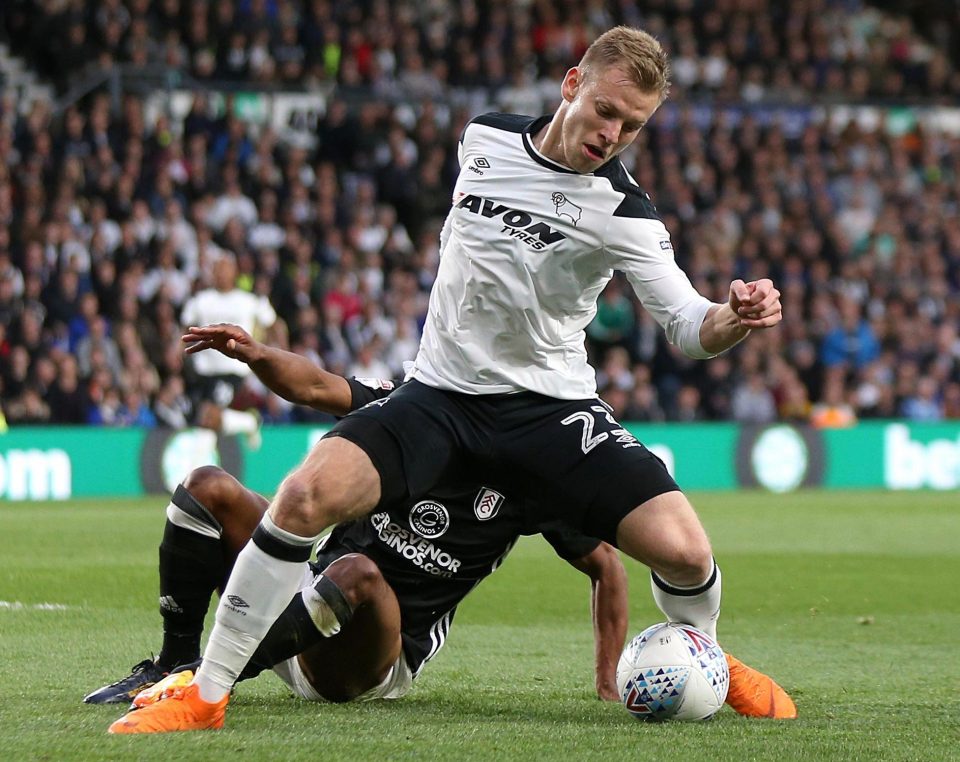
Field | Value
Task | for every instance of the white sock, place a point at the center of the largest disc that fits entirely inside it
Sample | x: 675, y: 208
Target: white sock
x: 265, y: 577
x: 698, y: 605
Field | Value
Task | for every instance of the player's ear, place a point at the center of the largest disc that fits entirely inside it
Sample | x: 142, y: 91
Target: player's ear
x: 571, y: 84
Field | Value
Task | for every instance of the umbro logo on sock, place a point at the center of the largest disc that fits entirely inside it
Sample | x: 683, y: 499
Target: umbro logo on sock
x: 237, y: 601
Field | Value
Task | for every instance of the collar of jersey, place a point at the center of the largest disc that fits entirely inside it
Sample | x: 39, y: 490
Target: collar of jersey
x: 535, y: 126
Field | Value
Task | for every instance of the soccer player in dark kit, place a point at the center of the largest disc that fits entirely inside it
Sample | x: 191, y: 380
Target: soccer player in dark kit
x: 378, y: 602
x: 376, y: 605
x: 543, y: 213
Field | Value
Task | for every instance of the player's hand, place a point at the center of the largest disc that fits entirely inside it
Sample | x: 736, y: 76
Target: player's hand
x: 226, y: 338
x: 756, y: 303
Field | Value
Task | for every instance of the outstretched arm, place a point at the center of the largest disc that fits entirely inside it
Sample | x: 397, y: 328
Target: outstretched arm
x: 289, y: 375
x: 608, y: 606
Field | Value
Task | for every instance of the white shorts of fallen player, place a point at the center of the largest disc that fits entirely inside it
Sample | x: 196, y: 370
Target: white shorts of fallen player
x: 396, y: 684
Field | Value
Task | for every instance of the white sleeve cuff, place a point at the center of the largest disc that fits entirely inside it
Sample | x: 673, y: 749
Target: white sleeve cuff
x: 683, y: 329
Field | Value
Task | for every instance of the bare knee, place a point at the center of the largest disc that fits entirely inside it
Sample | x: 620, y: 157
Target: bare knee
x: 214, y: 489
x: 358, y: 578
x: 690, y: 562
x: 302, y: 501
x: 686, y: 557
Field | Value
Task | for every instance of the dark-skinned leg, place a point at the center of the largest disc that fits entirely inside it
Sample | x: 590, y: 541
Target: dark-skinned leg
x: 340, y: 667
x: 359, y: 657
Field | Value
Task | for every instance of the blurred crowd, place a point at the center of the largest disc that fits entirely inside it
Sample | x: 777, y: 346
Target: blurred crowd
x: 727, y: 49
x: 112, y: 222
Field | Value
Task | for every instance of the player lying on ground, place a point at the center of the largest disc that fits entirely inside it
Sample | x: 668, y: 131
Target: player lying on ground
x: 188, y: 556
x: 376, y: 605
x: 392, y: 581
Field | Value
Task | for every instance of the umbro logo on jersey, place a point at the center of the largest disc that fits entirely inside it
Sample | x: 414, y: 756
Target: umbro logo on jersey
x: 237, y: 601
x: 517, y: 223
x: 566, y: 208
x: 479, y: 164
x: 482, y: 163
x: 487, y: 503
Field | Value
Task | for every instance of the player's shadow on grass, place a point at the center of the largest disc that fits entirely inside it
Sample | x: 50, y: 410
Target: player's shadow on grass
x: 478, y: 707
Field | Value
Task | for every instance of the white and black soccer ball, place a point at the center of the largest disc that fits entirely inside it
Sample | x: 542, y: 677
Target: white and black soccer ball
x: 673, y: 671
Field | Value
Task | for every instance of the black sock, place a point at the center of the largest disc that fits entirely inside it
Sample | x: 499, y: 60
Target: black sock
x: 295, y: 631
x: 292, y: 633
x: 191, y: 567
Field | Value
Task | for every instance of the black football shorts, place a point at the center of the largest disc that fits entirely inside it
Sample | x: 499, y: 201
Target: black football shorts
x: 572, y: 457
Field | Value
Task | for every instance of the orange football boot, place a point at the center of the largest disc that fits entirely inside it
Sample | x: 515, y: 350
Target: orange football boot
x: 180, y: 708
x: 163, y: 689
x: 753, y: 694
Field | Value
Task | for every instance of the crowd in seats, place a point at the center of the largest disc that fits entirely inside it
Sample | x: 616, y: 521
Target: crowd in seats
x: 856, y: 228
x: 730, y: 50
x: 110, y: 219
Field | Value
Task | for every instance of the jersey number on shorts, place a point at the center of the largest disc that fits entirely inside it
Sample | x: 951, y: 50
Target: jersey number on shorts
x: 589, y: 441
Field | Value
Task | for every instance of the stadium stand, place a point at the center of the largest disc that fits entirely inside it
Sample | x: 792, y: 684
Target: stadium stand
x: 114, y: 205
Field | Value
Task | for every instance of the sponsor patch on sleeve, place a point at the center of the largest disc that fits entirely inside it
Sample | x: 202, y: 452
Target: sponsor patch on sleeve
x: 666, y: 245
x: 375, y: 383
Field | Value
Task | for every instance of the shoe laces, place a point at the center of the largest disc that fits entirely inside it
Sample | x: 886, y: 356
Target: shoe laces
x: 143, y: 666
x: 137, y: 669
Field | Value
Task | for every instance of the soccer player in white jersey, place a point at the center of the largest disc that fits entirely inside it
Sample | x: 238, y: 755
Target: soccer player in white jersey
x: 215, y: 377
x: 543, y: 213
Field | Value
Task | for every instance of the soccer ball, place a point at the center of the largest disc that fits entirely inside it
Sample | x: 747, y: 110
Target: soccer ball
x: 672, y: 671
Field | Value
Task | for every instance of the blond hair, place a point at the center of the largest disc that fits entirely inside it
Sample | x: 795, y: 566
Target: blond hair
x: 638, y: 53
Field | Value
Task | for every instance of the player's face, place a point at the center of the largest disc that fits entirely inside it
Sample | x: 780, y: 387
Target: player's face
x: 605, y: 113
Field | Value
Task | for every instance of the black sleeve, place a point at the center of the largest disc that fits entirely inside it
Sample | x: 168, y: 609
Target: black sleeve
x: 366, y: 390
x: 567, y: 542
x: 516, y: 123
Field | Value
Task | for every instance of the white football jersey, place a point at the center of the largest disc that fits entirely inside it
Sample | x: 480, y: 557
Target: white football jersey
x: 525, y: 252
x: 241, y: 308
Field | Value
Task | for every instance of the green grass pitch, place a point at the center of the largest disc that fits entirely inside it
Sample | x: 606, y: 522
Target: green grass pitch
x: 849, y: 599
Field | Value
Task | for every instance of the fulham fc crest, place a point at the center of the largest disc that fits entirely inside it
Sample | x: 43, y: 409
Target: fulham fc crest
x: 487, y: 504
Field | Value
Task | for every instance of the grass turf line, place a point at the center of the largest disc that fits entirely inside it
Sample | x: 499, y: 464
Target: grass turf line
x: 848, y: 599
